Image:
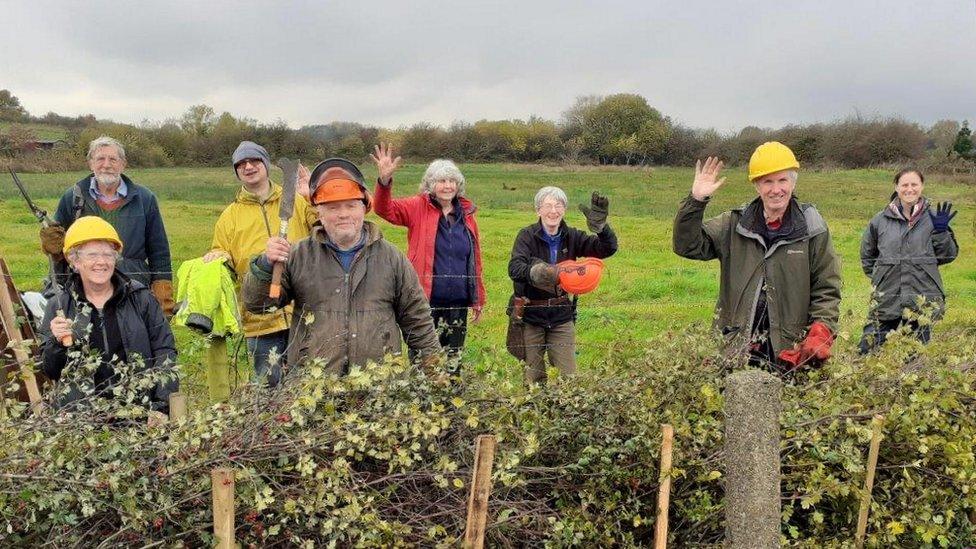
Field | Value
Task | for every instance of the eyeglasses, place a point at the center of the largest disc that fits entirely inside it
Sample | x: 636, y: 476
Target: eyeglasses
x: 92, y: 256
x: 249, y: 162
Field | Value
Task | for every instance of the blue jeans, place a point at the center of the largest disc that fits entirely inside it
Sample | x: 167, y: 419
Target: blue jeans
x: 260, y: 348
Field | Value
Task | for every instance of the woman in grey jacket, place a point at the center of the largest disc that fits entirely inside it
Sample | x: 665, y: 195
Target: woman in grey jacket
x: 901, y: 251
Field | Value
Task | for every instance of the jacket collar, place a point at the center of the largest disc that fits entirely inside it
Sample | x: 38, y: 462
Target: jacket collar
x: 467, y: 206
x: 894, y: 210
x: 122, y: 285
x: 540, y: 231
x: 245, y: 196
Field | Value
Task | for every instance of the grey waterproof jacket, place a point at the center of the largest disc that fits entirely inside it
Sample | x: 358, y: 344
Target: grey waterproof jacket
x: 347, y: 318
x: 903, y: 263
x: 801, y: 274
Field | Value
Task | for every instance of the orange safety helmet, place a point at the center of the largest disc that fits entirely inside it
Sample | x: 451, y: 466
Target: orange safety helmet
x: 580, y: 276
x: 338, y: 179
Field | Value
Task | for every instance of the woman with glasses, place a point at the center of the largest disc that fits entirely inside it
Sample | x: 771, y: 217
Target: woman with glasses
x: 103, y: 323
x: 546, y: 312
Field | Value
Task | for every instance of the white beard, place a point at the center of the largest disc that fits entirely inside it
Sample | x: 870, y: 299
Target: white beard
x: 108, y: 180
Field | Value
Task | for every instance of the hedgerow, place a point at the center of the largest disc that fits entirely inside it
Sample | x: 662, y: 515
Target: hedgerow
x: 383, y: 456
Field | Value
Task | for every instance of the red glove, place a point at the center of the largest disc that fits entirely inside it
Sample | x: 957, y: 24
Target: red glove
x: 814, y: 347
x: 817, y: 343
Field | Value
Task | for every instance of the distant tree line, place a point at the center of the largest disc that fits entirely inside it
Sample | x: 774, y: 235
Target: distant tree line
x: 619, y: 129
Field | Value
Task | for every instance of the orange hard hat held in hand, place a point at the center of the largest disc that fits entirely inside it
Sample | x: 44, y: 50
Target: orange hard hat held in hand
x: 580, y: 276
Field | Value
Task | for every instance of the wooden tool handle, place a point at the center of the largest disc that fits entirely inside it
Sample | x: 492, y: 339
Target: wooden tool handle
x: 275, y: 291
x: 68, y: 339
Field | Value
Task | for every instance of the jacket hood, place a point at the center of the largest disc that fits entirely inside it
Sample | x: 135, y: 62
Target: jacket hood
x: 806, y: 219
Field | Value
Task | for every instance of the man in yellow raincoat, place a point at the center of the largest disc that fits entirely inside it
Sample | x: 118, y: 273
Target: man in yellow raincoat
x: 241, y: 233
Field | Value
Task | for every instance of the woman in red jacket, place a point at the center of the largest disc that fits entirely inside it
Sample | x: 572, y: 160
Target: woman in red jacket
x: 443, y: 243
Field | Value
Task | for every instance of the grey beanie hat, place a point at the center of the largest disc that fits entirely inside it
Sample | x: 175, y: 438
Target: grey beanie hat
x: 250, y: 149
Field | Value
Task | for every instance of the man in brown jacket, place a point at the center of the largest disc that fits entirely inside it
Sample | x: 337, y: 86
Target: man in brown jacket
x: 356, y: 297
x: 779, y: 293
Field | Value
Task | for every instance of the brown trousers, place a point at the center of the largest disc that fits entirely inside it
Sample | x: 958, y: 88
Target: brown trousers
x: 559, y: 342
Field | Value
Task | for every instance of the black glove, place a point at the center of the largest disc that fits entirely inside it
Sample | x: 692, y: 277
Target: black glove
x: 596, y: 213
x: 942, y: 216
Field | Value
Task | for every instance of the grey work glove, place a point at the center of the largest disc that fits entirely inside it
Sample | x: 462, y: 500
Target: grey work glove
x: 544, y: 276
x: 596, y: 213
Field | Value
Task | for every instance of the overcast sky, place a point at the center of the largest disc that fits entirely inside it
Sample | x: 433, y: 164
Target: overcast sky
x: 705, y: 64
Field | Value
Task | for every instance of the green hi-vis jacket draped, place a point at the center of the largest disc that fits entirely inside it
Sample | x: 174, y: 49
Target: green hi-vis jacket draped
x: 801, y: 274
x: 207, y: 297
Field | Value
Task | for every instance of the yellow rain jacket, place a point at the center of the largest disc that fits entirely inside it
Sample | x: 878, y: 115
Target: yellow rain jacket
x: 242, y: 233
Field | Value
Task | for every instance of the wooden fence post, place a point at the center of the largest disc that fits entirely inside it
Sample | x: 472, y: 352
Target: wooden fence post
x: 16, y: 342
x: 862, y: 516
x: 222, y: 486
x: 177, y: 406
x: 484, y: 457
x: 664, y: 487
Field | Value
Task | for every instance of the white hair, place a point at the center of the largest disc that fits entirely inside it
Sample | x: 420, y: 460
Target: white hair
x: 794, y: 175
x: 554, y: 192
x: 105, y: 141
x: 440, y: 170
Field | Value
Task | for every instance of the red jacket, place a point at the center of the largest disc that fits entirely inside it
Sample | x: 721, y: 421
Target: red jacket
x: 420, y: 216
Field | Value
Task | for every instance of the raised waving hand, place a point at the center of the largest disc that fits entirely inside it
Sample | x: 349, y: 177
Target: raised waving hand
x: 707, y: 179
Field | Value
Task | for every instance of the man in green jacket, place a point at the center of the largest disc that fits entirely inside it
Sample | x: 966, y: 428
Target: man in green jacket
x: 355, y: 295
x: 779, y: 291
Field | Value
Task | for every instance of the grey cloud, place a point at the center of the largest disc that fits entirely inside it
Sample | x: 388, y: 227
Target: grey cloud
x: 725, y: 65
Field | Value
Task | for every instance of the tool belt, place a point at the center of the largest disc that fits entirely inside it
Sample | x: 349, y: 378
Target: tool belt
x: 519, y: 304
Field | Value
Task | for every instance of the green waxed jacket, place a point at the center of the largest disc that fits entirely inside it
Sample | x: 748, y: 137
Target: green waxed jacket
x: 801, y: 273
x: 347, y: 319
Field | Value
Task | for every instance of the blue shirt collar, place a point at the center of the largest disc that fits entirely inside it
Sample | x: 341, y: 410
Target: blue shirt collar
x: 123, y: 190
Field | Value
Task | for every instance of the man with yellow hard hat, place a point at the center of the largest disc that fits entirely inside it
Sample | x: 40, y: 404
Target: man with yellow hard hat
x: 779, y: 293
x: 355, y: 295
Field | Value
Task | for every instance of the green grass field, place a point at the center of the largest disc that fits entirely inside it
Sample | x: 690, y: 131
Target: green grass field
x: 41, y: 131
x: 646, y: 289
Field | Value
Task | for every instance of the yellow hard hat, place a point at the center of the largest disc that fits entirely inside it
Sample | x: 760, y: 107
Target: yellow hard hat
x: 771, y: 157
x: 88, y: 229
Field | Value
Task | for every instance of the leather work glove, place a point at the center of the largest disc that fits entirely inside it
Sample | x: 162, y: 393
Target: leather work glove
x: 942, y: 216
x: 52, y: 240
x: 163, y: 292
x: 813, y: 350
x: 596, y: 213
x: 544, y: 276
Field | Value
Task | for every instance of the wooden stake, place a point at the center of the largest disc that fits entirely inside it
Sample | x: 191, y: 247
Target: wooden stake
x: 484, y: 456
x: 862, y: 516
x: 16, y: 341
x: 222, y: 481
x: 664, y: 488
x: 177, y: 406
